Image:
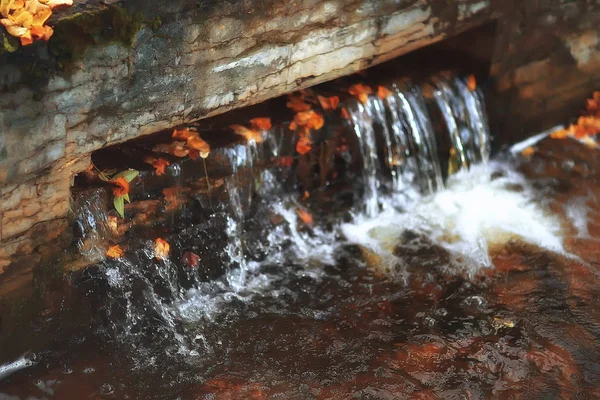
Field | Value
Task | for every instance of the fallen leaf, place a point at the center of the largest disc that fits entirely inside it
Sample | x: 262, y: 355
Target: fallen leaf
x: 329, y: 103
x: 593, y: 104
x: 528, y: 152
x: 309, y: 119
x: 176, y: 148
x: 304, y: 144
x: 115, y: 252
x: 383, y: 92
x: 121, y: 187
x: 159, y: 164
x: 197, y: 143
x: 471, y: 83
x: 183, y: 134
x: 261, y: 123
x: 161, y: 249
x: 360, y: 91
x: 296, y: 102
x: 305, y: 216
x: 560, y: 134
x: 191, y: 259
x: 344, y: 114
x: 306, y: 195
x: 251, y: 135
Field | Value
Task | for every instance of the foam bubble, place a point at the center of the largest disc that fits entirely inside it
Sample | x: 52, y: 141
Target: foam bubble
x: 475, y: 212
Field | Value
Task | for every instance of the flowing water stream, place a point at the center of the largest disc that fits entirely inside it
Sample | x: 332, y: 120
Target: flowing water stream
x: 452, y: 276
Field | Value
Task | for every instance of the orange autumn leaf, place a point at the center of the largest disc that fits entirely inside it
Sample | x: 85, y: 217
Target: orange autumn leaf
x: 249, y: 134
x: 383, y: 92
x: 306, y: 195
x: 586, y: 126
x: 309, y: 119
x: 329, y: 103
x: 261, y: 123
x: 360, y: 91
x: 191, y: 259
x: 183, y: 134
x: 471, y: 83
x: 528, y: 152
x: 560, y: 134
x: 305, y: 216
x: 304, y: 144
x: 122, y: 187
x: 115, y: 252
x: 195, y: 142
x: 175, y: 148
x: 296, y: 103
x: 344, y: 114
x: 159, y: 164
x: 26, y: 19
x: 161, y: 249
x: 593, y: 104
x: 194, y: 154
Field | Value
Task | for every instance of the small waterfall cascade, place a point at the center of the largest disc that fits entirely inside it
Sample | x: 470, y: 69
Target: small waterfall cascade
x: 400, y: 123
x: 253, y: 226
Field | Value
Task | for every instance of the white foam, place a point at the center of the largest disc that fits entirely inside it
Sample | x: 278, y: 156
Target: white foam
x: 473, y: 213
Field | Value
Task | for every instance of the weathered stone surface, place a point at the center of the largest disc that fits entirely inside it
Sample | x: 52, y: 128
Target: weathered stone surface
x: 547, y: 60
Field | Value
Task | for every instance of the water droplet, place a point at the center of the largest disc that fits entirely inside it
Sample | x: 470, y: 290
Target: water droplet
x: 477, y: 302
x: 107, y: 389
x: 89, y: 370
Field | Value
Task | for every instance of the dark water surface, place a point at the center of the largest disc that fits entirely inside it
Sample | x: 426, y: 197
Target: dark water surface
x: 529, y: 328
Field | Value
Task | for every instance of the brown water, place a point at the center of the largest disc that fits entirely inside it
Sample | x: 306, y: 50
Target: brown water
x: 527, y: 328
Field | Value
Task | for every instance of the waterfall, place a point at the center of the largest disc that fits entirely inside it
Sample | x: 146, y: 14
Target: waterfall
x: 257, y: 228
x: 402, y: 123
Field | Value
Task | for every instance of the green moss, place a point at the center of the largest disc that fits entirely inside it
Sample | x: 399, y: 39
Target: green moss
x: 73, y: 35
x: 9, y: 44
x: 49, y: 275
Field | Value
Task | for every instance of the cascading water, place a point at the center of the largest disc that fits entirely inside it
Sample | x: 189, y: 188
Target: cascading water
x: 267, y: 293
x: 409, y: 166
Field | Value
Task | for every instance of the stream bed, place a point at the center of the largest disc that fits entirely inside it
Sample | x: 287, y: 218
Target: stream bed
x: 485, y: 288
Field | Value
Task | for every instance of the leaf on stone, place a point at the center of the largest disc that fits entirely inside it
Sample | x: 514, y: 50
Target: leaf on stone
x: 305, y: 216
x: 251, y: 135
x: 383, y: 92
x: 121, y: 186
x: 159, y: 164
x: 310, y: 119
x: 304, y: 144
x: 528, y: 152
x: 296, y: 102
x: 344, y: 114
x: 261, y: 123
x: 119, y: 204
x: 329, y: 103
x: 161, y: 249
x: 471, y: 83
x: 361, y: 92
x: 195, y: 142
x: 191, y: 259
x: 115, y: 252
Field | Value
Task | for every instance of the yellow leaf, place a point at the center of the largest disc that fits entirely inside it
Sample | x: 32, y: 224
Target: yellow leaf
x: 114, y: 252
